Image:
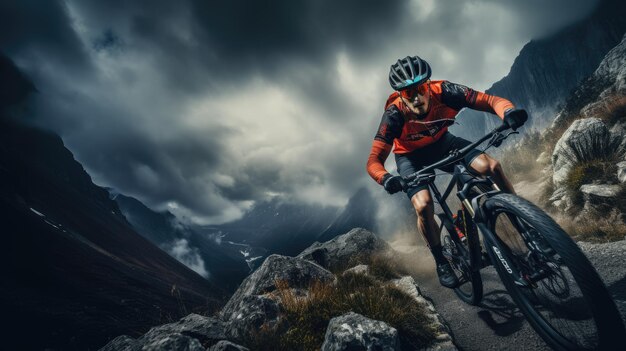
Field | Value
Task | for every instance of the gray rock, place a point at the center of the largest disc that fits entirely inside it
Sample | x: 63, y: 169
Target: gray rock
x: 353, y: 331
x: 204, y: 329
x: 226, y: 345
x: 340, y: 250
x: 122, y: 343
x: 621, y: 171
x: 599, y: 198
x: 618, y: 132
x: 585, y: 140
x: 173, y: 342
x: 443, y: 339
x: 359, y: 269
x: 297, y: 273
x: 253, y: 311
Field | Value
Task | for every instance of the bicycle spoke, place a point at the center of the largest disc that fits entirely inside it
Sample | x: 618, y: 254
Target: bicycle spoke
x: 553, y: 293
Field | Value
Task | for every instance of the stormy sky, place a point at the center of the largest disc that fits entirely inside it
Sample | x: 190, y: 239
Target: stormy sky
x: 205, y: 107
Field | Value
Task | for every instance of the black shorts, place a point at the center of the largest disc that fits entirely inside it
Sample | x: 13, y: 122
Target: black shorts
x: 414, y: 161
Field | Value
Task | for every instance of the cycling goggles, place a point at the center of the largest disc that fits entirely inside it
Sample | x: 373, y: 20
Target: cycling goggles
x: 410, y: 93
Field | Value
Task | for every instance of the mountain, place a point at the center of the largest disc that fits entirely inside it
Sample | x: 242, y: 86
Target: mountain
x: 359, y: 212
x: 75, y: 273
x: 279, y: 226
x: 602, y: 93
x: 547, y: 70
x: 220, y: 262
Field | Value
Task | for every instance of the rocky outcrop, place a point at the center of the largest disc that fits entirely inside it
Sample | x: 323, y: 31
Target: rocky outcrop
x: 353, y: 331
x: 340, y: 250
x: 258, y: 303
x: 585, y: 140
x: 226, y: 345
x: 189, y: 333
x: 599, y: 92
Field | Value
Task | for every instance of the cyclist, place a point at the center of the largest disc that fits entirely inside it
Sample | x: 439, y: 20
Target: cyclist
x: 415, y: 123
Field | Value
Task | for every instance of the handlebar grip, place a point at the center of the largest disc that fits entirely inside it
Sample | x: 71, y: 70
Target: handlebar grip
x: 502, y: 128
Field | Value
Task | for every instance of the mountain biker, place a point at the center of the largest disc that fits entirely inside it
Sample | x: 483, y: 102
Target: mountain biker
x: 415, y: 123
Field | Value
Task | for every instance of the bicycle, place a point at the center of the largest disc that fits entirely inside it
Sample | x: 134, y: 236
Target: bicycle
x: 545, y: 272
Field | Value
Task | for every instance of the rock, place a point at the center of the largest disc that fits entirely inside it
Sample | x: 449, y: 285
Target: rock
x: 443, y: 339
x: 340, y: 250
x: 621, y: 171
x: 618, y: 132
x: 253, y: 312
x: 122, y: 343
x: 353, y: 331
x: 226, y: 345
x: 296, y: 272
x: 360, y: 269
x: 173, y: 342
x: 204, y: 329
x: 585, y: 140
x: 599, y: 198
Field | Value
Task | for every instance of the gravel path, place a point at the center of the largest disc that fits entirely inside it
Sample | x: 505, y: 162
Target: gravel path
x: 497, y: 324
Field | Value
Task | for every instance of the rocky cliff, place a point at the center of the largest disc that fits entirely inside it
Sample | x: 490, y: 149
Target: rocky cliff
x: 547, y: 70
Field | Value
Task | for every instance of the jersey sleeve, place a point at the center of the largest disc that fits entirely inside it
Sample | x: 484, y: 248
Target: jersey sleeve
x: 390, y: 128
x: 390, y: 125
x: 459, y: 96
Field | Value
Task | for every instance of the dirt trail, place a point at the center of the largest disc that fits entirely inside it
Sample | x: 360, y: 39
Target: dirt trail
x: 497, y: 324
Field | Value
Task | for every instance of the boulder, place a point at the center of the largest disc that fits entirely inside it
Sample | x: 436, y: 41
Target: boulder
x: 189, y: 333
x: 353, y: 331
x: 618, y: 132
x: 226, y: 345
x: 122, y: 343
x: 253, y: 312
x: 338, y: 251
x: 172, y: 342
x: 621, y: 171
x: 359, y: 269
x: 599, y: 198
x: 443, y: 340
x: 585, y: 140
x: 296, y: 272
x: 207, y: 330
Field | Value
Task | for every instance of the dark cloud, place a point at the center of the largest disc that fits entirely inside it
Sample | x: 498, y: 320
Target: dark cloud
x: 205, y: 107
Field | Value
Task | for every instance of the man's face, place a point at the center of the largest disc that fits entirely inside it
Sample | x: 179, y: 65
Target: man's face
x: 417, y: 99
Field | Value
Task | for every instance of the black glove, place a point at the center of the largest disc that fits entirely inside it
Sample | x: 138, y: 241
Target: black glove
x: 515, y: 118
x: 393, y: 184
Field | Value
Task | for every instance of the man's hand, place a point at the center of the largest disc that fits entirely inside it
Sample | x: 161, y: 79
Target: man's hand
x: 393, y: 184
x: 515, y: 118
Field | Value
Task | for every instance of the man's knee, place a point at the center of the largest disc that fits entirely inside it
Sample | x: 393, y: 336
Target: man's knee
x: 486, y: 165
x: 422, y: 202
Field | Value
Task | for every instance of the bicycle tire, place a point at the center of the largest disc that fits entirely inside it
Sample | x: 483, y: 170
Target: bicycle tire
x: 594, y: 314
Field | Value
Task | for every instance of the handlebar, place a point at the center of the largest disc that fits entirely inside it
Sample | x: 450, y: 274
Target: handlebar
x: 458, y: 155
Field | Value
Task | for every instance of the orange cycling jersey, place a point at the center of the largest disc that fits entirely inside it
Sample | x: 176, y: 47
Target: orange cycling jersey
x: 406, y: 132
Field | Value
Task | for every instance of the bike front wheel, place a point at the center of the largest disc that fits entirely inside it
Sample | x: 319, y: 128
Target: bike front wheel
x: 548, y: 276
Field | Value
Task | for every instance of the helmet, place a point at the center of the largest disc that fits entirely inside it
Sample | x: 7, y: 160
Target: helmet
x: 409, y: 71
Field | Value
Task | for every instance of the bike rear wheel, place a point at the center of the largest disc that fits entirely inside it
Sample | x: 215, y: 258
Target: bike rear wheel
x: 470, y: 288
x: 549, y: 277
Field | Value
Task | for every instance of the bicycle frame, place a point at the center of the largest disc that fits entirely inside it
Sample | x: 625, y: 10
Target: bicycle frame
x: 464, y: 180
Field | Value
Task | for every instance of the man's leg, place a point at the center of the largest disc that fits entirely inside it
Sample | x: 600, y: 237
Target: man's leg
x: 487, y: 166
x: 426, y: 225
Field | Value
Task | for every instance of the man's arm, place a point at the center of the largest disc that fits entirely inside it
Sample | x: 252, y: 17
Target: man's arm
x: 376, y: 162
x: 459, y: 96
x: 390, y: 128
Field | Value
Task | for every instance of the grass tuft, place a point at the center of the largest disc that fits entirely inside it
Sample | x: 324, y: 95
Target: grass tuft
x: 305, y: 318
